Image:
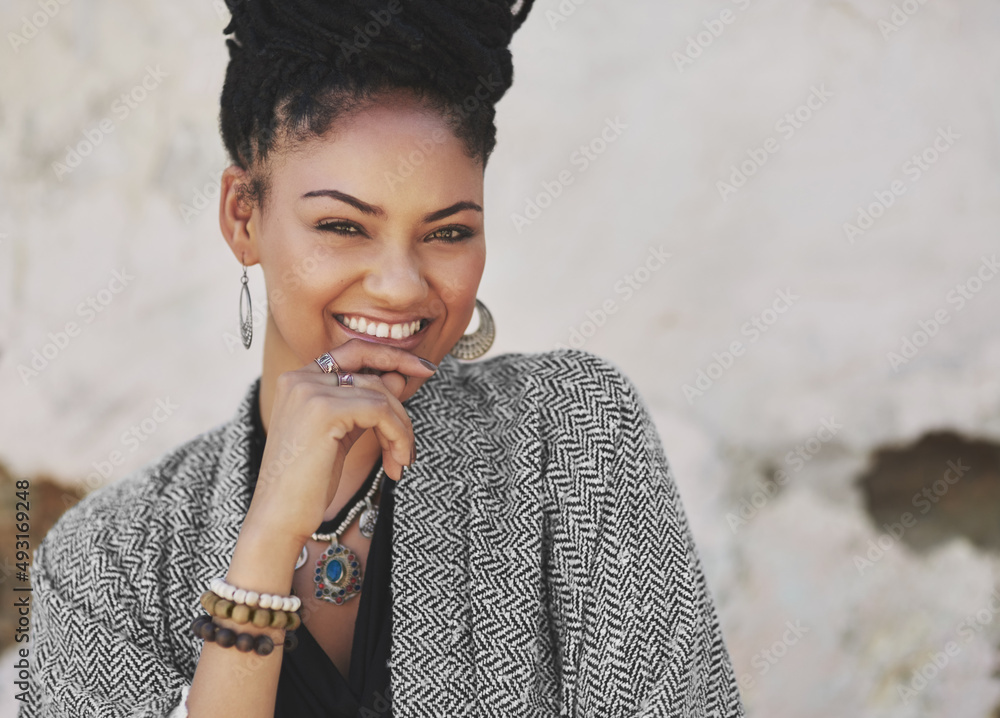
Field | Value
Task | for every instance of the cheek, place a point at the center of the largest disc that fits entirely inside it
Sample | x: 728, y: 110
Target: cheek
x: 299, y: 276
x: 458, y: 286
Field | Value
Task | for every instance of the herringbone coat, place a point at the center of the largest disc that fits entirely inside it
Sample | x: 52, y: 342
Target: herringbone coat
x: 542, y: 561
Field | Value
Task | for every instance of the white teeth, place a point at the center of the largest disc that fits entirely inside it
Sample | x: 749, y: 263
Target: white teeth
x: 381, y: 329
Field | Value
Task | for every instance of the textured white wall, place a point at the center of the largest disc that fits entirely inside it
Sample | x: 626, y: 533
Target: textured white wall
x: 681, y: 93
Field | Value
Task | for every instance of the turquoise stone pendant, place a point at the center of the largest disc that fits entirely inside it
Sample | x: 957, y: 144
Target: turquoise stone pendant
x: 338, y: 574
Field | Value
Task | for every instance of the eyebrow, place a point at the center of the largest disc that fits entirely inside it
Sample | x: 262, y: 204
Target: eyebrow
x: 373, y: 211
x: 448, y: 211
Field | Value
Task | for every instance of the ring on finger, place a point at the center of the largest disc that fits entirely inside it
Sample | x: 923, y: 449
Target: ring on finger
x: 328, y: 364
x: 345, y: 378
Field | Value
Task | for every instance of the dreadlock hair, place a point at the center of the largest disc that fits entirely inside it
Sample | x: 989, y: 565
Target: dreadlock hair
x: 297, y: 65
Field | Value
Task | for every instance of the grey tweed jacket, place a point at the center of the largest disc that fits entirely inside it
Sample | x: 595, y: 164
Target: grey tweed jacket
x: 542, y: 561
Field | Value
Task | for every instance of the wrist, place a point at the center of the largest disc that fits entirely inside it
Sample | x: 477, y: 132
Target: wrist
x: 269, y: 536
x: 264, y: 561
x: 261, y: 528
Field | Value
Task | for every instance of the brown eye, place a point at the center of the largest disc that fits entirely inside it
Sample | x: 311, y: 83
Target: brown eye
x: 451, y: 234
x: 339, y: 227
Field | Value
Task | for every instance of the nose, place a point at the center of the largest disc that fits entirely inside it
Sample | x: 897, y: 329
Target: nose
x: 396, y: 277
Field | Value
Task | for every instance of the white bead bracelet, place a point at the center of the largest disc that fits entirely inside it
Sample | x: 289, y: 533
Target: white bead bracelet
x: 253, y: 599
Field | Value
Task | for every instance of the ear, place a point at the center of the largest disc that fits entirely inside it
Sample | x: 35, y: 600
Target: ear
x: 236, y: 219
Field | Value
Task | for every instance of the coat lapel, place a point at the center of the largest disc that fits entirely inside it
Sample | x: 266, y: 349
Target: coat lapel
x: 466, y: 566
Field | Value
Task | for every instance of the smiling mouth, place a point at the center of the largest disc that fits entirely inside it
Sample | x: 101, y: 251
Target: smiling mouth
x: 363, y: 325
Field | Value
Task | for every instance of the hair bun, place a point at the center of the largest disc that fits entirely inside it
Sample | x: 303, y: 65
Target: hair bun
x: 459, y: 46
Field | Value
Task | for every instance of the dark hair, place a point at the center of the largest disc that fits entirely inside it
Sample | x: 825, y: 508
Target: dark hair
x: 297, y: 65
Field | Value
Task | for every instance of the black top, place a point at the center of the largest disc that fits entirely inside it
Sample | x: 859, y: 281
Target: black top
x: 310, y: 684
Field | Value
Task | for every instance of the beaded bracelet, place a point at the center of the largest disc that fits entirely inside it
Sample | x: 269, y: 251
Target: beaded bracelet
x: 242, y: 613
x: 253, y: 599
x: 204, y: 627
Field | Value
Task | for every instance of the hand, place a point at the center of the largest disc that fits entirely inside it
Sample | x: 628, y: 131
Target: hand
x: 314, y: 423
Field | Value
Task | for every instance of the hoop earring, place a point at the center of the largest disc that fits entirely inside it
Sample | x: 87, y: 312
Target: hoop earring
x: 246, y: 320
x: 474, y: 345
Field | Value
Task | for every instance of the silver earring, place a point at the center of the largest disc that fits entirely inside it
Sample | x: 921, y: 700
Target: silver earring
x: 246, y: 319
x: 472, y: 346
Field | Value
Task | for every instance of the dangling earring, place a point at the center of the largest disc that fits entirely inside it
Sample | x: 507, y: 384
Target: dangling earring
x: 474, y: 345
x: 246, y: 320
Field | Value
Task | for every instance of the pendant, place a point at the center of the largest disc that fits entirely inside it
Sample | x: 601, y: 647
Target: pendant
x: 338, y: 574
x: 366, y: 524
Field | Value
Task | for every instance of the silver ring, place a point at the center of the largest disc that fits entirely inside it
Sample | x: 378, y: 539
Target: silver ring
x: 328, y: 364
x: 345, y: 379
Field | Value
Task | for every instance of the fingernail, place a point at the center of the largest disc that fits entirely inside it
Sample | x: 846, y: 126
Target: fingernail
x: 429, y: 365
x: 401, y: 469
x: 413, y: 453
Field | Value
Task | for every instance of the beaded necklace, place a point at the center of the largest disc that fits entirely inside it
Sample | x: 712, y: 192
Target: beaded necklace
x: 338, y: 574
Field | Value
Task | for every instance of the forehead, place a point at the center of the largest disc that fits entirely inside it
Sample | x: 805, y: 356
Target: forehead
x: 395, y: 151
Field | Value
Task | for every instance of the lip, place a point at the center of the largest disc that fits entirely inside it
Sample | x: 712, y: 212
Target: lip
x: 409, y: 342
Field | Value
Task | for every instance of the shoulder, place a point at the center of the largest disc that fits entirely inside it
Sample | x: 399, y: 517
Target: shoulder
x: 126, y: 515
x: 573, y: 375
x: 572, y: 400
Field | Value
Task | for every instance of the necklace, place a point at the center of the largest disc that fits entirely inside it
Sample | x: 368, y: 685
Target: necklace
x: 338, y: 575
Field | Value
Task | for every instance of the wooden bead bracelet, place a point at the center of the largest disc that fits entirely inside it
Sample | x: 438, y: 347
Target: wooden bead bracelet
x: 204, y: 627
x: 242, y: 613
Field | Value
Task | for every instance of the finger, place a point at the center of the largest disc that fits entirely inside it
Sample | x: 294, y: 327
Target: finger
x: 355, y: 354
x: 369, y: 391
x: 399, y: 453
x: 361, y: 382
x: 377, y: 383
x: 393, y: 469
x: 394, y: 381
x: 370, y: 410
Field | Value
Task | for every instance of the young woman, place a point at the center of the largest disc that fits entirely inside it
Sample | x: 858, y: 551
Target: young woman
x: 533, y: 558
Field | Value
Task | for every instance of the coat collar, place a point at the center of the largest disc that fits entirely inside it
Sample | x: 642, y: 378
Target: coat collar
x: 465, y: 592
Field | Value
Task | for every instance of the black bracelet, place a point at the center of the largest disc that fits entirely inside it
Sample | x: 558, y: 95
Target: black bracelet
x: 206, y: 628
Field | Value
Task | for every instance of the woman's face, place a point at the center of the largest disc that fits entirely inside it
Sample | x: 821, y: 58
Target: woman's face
x: 368, y: 230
